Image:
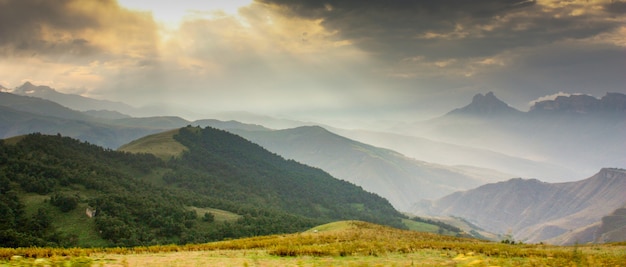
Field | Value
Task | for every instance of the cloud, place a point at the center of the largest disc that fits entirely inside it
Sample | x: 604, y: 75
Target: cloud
x: 549, y: 97
x: 73, y: 29
x: 329, y: 57
x: 616, y: 7
x: 260, y: 60
x: 73, y: 43
x: 400, y: 29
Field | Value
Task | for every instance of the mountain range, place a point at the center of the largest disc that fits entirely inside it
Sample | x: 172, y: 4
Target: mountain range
x: 463, y: 155
x: 483, y: 142
x: 72, y: 101
x: 545, y: 143
x: 610, y: 104
x: 535, y: 211
x: 572, y: 135
x: 402, y: 180
x: 24, y: 115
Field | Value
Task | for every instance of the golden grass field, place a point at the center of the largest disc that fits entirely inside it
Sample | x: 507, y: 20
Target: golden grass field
x: 348, y: 243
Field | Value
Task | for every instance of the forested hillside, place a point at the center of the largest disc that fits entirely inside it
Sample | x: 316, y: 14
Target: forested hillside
x: 402, y: 180
x: 49, y: 183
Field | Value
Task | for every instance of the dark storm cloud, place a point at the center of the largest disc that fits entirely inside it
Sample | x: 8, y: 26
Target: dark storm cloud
x: 70, y: 28
x: 574, y: 68
x: 616, y: 7
x: 23, y: 26
x: 442, y: 8
x: 447, y: 28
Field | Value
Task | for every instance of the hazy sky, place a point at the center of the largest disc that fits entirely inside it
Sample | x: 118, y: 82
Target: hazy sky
x: 310, y: 59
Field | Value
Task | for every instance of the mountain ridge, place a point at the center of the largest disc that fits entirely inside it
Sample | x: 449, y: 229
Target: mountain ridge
x: 485, y: 105
x: 73, y: 101
x: 576, y: 142
x: 582, y: 104
x: 26, y: 114
x: 388, y: 173
x: 534, y: 210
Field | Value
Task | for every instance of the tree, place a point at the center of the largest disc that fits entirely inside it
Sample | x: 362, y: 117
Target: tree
x: 64, y: 202
x: 208, y: 217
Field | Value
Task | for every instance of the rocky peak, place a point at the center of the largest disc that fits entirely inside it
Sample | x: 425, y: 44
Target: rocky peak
x: 582, y: 104
x: 612, y: 173
x: 487, y: 104
x: 28, y: 89
x: 615, y: 102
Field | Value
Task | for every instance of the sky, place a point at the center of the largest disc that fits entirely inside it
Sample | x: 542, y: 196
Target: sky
x: 326, y: 61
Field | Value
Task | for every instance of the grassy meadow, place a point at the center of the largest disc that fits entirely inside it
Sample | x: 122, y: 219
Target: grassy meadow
x: 346, y: 243
x: 162, y: 145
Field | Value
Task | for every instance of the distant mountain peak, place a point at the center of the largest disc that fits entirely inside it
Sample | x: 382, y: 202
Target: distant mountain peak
x: 612, y: 172
x: 29, y: 88
x: 73, y: 101
x: 487, y: 104
x: 582, y: 104
x: 312, y: 128
x: 536, y: 211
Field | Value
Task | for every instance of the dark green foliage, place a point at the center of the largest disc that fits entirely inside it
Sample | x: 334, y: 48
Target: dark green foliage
x: 208, y: 217
x: 220, y: 171
x: 113, y: 228
x: 221, y: 164
x: 41, y: 164
x: 64, y: 202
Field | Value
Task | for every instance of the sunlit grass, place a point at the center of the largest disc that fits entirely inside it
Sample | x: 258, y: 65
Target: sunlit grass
x: 162, y: 145
x: 420, y: 226
x: 220, y: 215
x: 348, y: 243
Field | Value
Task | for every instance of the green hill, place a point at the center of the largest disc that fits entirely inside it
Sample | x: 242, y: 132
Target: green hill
x: 162, y: 145
x: 221, y: 186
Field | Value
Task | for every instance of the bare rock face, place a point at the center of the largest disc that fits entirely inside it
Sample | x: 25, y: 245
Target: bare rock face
x: 613, y: 227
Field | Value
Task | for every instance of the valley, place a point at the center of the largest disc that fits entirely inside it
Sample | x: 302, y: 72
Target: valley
x: 231, y: 179
x: 312, y: 133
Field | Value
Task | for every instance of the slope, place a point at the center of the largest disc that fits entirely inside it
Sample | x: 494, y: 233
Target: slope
x: 141, y: 200
x: 163, y: 145
x: 402, y: 180
x: 264, y: 178
x: 613, y: 227
x: 536, y: 211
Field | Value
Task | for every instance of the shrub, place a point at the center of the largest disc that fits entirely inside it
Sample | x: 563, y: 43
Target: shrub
x: 64, y: 202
